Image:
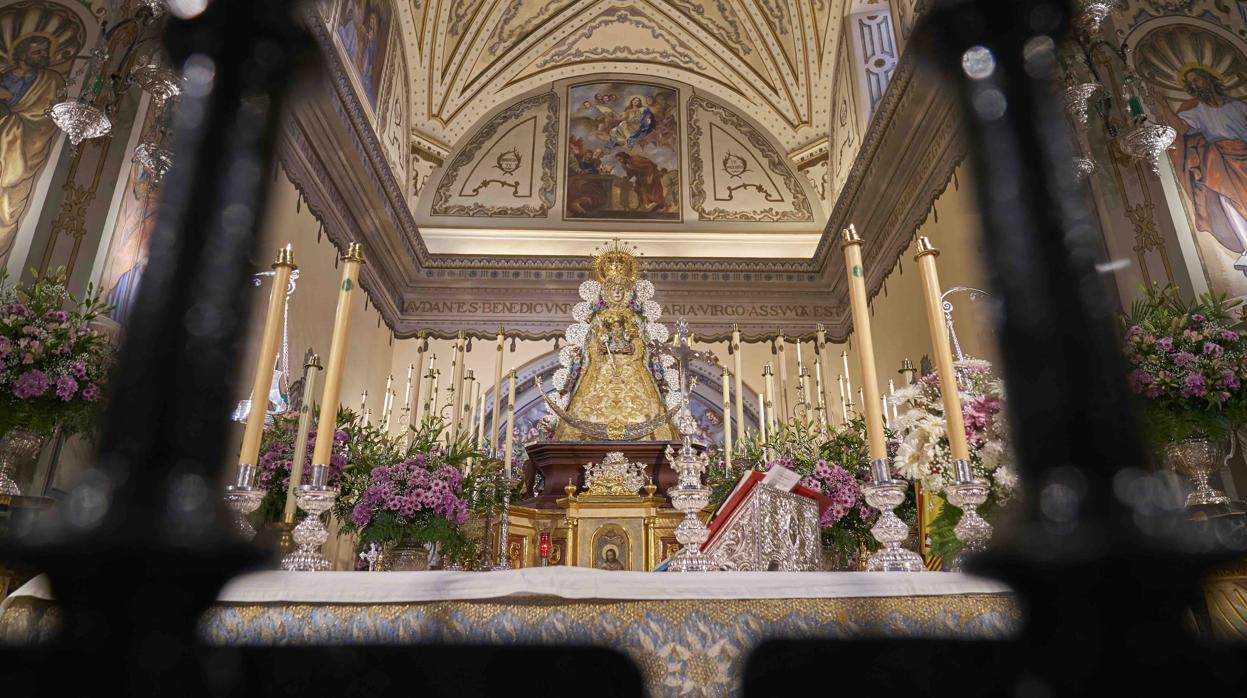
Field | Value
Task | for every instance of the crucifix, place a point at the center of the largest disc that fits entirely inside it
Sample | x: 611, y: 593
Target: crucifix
x: 684, y: 355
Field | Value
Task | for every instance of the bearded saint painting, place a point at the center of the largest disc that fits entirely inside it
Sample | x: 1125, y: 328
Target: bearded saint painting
x: 1200, y: 76
x: 39, y: 43
x: 623, y: 149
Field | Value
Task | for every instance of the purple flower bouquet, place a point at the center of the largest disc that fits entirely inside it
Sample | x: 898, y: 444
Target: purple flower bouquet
x: 53, y: 362
x: 1187, y: 364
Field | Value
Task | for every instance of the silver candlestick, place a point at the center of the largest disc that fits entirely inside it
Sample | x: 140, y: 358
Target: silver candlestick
x: 967, y: 494
x: 243, y: 498
x: 885, y: 494
x: 504, y: 561
x: 690, y: 496
x: 315, y: 497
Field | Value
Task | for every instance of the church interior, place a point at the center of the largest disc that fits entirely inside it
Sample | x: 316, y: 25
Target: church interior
x: 656, y: 347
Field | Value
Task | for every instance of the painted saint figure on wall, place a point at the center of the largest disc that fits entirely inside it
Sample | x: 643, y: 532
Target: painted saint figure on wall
x: 1199, y: 80
x: 36, y: 50
x: 1212, y: 131
x: 363, y: 27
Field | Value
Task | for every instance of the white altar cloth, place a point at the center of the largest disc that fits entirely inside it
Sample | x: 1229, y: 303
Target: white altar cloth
x: 571, y: 583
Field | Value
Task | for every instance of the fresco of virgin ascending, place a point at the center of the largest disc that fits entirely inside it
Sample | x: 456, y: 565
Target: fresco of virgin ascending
x: 623, y: 152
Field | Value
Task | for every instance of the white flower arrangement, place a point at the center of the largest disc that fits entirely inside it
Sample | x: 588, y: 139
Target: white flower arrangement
x: 924, y: 454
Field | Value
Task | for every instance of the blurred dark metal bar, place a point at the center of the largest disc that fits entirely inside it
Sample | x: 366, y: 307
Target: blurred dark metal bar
x: 136, y: 552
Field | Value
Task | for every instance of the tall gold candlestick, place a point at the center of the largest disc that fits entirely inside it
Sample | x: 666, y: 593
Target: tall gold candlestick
x: 762, y: 416
x: 411, y: 370
x: 510, y: 422
x: 782, y: 412
x: 822, y: 368
x: 426, y: 404
x: 456, y: 385
x: 249, y: 453
x: 844, y: 400
x: 943, y: 353
x: 740, y: 385
x: 434, y: 394
x: 480, y: 421
x: 727, y: 420
x: 848, y: 380
x: 493, y: 424
x: 326, y: 425
x: 387, y: 404
x: 469, y: 381
x: 768, y: 376
x: 803, y: 375
x: 472, y: 416
x: 419, y: 376
x: 865, y: 345
x: 311, y: 368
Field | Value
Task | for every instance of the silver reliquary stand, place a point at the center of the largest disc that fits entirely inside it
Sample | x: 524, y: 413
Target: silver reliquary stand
x: 770, y: 530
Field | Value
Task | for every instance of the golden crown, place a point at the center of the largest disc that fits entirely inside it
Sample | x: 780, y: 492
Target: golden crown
x: 616, y: 260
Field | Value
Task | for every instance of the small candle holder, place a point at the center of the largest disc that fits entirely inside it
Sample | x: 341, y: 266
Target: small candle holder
x: 967, y: 494
x: 242, y: 498
x: 315, y: 497
x: 885, y: 494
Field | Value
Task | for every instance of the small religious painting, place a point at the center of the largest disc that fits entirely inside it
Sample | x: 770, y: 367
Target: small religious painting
x: 127, y: 258
x: 39, y: 42
x: 610, y: 549
x: 1199, y: 81
x: 623, y: 152
x: 363, y: 27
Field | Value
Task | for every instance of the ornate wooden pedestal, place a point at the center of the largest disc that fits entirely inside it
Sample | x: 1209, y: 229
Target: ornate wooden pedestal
x: 563, y: 461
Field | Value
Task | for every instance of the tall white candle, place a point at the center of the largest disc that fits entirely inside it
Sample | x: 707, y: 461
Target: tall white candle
x: 762, y: 416
x: 510, y: 422
x: 848, y: 381
x: 740, y: 386
x: 387, y: 403
x: 727, y: 420
x: 493, y: 424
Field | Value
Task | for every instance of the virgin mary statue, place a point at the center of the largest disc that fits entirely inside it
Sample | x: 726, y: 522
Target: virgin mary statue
x: 610, y: 383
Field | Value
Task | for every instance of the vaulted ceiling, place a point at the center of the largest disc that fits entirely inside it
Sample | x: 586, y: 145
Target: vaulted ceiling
x: 770, y: 59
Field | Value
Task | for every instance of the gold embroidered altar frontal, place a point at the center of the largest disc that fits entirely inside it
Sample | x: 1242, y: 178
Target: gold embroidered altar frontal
x: 683, y: 647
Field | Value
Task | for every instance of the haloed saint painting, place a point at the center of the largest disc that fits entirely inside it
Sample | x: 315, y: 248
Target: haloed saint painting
x: 623, y: 152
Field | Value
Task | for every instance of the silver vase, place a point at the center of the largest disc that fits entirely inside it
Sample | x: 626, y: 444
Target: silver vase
x: 1198, y: 459
x: 404, y: 556
x: 16, y: 447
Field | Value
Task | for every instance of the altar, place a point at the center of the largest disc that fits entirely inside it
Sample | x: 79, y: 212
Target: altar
x: 688, y: 633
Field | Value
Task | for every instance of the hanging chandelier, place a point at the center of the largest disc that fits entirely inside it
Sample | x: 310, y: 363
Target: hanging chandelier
x: 109, y: 77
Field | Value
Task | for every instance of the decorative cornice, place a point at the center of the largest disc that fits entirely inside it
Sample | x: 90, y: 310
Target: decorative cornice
x: 908, y: 155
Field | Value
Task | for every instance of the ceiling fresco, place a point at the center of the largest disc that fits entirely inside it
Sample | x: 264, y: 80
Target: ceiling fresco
x: 765, y: 58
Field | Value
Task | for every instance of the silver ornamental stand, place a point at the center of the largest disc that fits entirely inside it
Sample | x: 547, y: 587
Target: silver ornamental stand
x: 504, y: 563
x: 885, y: 494
x: 967, y: 494
x: 690, y: 495
x: 315, y: 498
x: 242, y: 498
